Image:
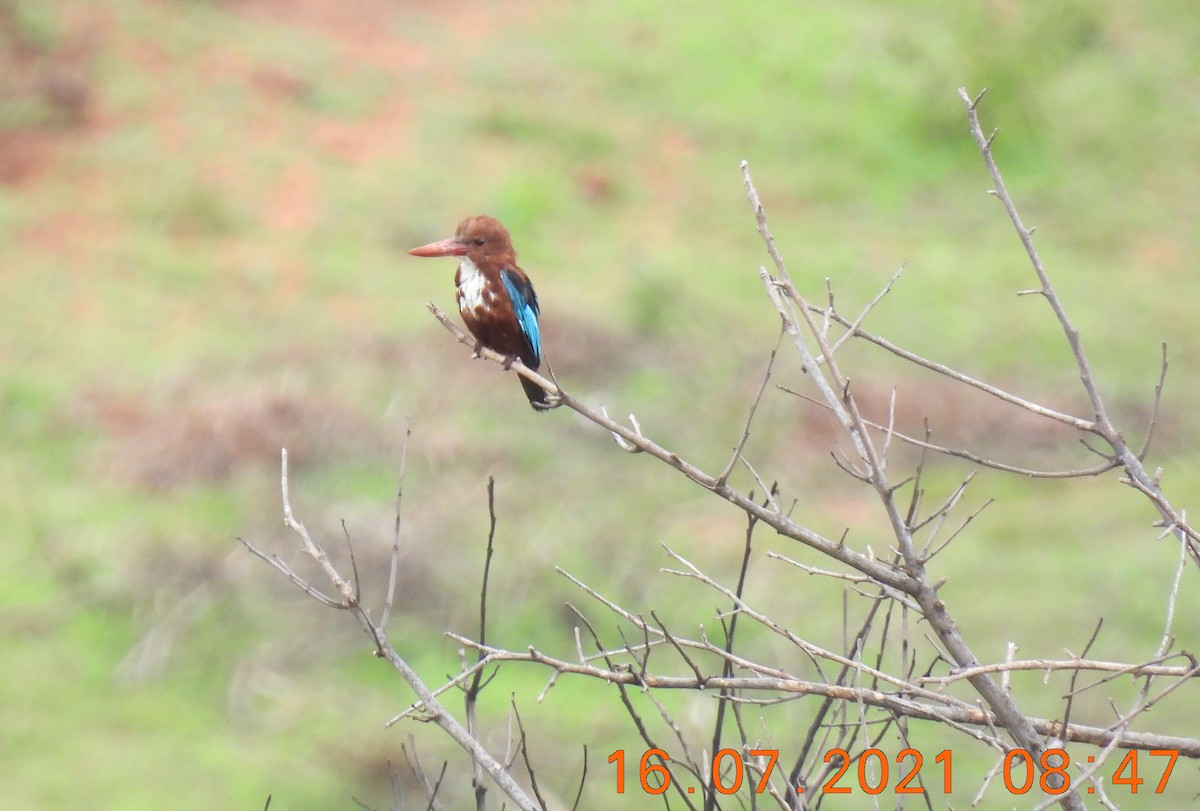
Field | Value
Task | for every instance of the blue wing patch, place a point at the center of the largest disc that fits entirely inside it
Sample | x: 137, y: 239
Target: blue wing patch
x: 525, y: 305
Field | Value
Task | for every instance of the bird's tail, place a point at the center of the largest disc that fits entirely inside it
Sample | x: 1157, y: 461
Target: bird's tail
x: 535, y: 393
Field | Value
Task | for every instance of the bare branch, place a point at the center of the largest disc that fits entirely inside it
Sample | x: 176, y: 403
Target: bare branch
x: 946, y: 371
x: 1136, y: 474
x: 891, y: 667
x: 1026, y: 237
x: 852, y: 327
x: 945, y: 708
x: 1074, y: 664
x: 974, y: 458
x: 431, y: 707
x: 431, y: 789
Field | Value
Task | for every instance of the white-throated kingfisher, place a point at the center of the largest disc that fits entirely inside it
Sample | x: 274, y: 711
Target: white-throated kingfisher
x: 495, y: 297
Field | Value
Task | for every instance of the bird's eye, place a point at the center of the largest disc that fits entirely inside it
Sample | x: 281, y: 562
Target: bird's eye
x: 479, y: 241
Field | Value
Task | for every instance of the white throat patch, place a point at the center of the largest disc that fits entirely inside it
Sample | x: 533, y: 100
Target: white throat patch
x: 470, y: 286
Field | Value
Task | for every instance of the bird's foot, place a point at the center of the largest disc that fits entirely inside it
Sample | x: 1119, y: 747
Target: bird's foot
x: 508, y: 362
x: 477, y: 352
x: 552, y: 401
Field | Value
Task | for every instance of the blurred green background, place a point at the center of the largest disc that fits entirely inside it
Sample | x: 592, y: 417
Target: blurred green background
x: 204, y: 208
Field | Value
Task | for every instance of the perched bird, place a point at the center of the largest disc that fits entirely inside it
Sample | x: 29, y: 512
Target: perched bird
x: 495, y: 297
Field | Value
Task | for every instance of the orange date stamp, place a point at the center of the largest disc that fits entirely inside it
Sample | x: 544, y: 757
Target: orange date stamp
x: 873, y: 774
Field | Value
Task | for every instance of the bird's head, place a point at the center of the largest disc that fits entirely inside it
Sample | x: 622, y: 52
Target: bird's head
x: 482, y: 239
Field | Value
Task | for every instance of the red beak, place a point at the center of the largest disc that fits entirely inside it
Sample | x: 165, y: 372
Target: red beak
x: 447, y: 247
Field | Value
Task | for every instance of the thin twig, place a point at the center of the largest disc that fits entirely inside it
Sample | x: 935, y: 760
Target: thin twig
x: 1154, y: 410
x: 741, y: 444
x: 974, y: 458
x: 394, y: 565
x: 730, y: 634
x: 471, y: 694
x: 852, y: 327
x: 946, y: 371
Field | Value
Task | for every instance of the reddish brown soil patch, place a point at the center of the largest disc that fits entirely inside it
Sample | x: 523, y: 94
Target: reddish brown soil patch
x: 210, y: 434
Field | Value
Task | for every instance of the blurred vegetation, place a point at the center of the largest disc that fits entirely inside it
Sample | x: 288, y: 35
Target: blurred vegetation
x: 203, y: 207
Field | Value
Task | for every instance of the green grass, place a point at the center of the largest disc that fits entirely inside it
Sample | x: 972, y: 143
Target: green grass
x: 211, y: 265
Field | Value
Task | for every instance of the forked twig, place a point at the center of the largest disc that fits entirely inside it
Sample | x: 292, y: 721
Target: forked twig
x: 1136, y: 474
x: 433, y: 710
